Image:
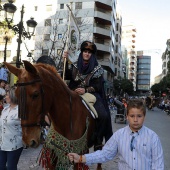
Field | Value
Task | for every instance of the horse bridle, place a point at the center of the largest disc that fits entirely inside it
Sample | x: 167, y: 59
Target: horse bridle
x: 22, y: 107
x: 22, y: 103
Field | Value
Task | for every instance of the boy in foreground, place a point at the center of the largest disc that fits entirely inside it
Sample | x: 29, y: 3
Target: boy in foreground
x: 137, y: 146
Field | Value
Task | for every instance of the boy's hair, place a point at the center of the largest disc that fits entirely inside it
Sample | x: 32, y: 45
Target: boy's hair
x: 138, y: 104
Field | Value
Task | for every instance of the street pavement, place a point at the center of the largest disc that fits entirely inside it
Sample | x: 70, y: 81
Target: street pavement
x: 156, y: 120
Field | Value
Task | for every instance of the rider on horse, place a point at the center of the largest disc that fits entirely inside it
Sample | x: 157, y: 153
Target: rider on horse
x: 86, y: 76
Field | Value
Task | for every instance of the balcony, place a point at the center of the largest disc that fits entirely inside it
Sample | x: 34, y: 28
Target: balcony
x: 107, y: 65
x: 133, y: 35
x: 102, y: 46
x: 102, y: 17
x: 132, y: 72
x: 133, y: 56
x: 106, y: 4
x: 132, y: 66
x: 132, y: 77
x: 134, y: 30
x: 101, y: 31
x: 133, y: 60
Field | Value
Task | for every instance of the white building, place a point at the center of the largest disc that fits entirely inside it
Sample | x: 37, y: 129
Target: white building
x: 129, y: 41
x: 39, y: 11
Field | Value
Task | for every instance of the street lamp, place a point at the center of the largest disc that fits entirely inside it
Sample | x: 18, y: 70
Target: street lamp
x: 19, y: 29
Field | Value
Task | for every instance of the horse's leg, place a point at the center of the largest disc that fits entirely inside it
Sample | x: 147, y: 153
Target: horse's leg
x: 99, y: 166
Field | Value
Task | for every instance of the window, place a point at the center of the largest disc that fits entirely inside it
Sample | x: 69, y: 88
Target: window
x: 45, y: 52
x: 4, y: 1
x: 115, y: 71
x: 8, y: 54
x: 47, y: 37
x: 59, y: 51
x: 35, y: 8
x: 78, y: 19
x: 78, y: 5
x: 116, y: 49
x: 48, y: 22
x: 117, y: 27
x: 116, y: 37
x: 61, y: 6
x: 60, y: 21
x: 60, y: 36
x: 48, y: 7
x: 115, y: 60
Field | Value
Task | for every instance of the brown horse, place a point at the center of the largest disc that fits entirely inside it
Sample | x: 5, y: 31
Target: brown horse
x: 40, y: 91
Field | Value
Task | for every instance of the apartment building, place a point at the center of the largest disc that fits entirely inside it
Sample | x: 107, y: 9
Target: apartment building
x: 157, y: 79
x: 143, y: 73
x: 165, y: 59
x: 119, y: 67
x: 98, y: 22
x: 129, y: 41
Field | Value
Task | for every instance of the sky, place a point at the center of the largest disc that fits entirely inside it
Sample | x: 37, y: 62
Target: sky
x: 152, y: 21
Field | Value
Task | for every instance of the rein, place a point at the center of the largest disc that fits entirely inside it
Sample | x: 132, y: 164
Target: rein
x: 22, y: 103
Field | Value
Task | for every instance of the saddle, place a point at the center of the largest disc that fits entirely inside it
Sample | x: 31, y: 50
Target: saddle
x: 89, y: 100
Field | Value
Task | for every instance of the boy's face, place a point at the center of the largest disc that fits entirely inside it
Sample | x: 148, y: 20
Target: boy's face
x: 136, y: 118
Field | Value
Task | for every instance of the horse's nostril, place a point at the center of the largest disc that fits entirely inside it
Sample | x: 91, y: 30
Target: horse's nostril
x: 33, y: 144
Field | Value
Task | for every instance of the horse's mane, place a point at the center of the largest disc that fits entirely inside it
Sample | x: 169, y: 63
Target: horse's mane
x: 49, y: 75
x: 47, y: 67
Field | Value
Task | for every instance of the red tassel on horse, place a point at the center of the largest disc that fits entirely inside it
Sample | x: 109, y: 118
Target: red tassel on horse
x: 82, y: 166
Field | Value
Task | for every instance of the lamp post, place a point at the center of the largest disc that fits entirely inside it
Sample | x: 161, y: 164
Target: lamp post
x: 19, y: 29
x: 7, y: 36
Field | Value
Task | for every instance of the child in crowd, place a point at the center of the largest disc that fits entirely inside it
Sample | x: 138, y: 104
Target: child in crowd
x: 137, y: 146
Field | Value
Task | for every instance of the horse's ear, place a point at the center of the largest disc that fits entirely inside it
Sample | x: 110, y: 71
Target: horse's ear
x: 29, y: 67
x: 16, y: 71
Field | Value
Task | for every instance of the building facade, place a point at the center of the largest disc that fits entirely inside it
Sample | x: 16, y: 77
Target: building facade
x: 130, y: 59
x: 118, y: 52
x: 143, y: 73
x: 166, y: 59
x: 157, y: 79
x: 98, y: 22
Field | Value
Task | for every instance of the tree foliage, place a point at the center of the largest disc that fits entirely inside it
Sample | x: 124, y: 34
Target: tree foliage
x: 123, y: 86
x: 162, y: 86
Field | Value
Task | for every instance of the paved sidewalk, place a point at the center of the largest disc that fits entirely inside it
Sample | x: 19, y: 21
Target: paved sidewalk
x: 29, y: 157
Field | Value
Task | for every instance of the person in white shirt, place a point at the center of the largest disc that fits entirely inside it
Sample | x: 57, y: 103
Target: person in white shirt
x: 138, y: 147
x: 2, y: 88
x: 11, y: 144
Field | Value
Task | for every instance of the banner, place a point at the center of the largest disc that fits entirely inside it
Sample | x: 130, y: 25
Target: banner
x: 73, y: 37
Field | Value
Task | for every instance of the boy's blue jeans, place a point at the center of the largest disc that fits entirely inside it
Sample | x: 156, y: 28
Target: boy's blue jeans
x: 9, y: 159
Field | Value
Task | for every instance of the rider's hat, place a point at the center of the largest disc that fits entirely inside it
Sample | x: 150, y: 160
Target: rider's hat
x: 87, y: 45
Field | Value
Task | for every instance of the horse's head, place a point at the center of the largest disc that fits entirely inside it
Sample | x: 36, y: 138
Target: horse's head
x: 30, y: 100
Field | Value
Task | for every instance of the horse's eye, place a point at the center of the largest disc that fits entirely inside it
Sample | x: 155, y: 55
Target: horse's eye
x: 35, y: 95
